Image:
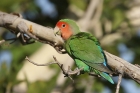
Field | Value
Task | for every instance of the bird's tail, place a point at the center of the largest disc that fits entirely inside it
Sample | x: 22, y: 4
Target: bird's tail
x: 105, y: 76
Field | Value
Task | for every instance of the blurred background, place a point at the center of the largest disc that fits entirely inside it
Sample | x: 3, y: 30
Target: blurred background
x: 116, y: 23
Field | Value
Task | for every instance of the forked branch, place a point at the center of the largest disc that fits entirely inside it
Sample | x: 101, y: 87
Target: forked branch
x: 67, y: 73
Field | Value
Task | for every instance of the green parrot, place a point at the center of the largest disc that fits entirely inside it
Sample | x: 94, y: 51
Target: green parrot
x: 84, y: 48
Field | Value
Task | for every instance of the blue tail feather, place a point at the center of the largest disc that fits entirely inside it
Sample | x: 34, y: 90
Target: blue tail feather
x: 99, y: 47
x: 104, y: 75
x: 107, y: 77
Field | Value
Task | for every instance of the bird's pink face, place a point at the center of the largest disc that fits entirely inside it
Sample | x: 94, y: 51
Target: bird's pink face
x: 64, y: 29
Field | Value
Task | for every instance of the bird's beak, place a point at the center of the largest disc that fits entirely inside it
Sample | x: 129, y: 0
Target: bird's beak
x: 57, y: 31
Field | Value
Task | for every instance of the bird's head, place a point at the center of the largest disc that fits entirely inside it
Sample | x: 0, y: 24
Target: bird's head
x: 66, y: 28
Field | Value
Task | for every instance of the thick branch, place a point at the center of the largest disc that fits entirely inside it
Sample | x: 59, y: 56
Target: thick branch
x: 123, y: 67
x: 118, y: 65
x: 13, y: 23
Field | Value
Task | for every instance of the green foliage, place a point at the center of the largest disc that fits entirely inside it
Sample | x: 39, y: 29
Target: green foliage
x: 99, y: 86
x: 8, y: 74
x: 16, y: 5
x: 114, y: 11
x: 79, y: 3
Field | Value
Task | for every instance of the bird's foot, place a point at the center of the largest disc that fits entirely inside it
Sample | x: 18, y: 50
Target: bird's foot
x: 24, y: 39
x: 60, y: 49
x: 75, y: 71
x: 78, y: 73
x: 69, y: 72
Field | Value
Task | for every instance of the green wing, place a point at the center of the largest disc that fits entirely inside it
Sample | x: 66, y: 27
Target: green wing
x: 85, y: 47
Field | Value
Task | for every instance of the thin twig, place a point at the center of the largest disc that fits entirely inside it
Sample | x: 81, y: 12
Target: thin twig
x: 119, y: 82
x: 67, y: 73
x: 60, y: 65
x: 46, y: 64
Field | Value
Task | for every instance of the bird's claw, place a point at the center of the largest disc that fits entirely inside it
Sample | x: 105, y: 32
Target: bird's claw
x: 69, y: 72
x: 78, y: 73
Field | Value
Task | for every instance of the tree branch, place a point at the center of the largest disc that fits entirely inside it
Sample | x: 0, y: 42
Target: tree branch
x: 120, y: 66
x: 40, y: 33
x: 119, y: 82
x: 67, y: 73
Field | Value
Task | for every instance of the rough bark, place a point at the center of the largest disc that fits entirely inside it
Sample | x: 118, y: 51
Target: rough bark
x: 118, y: 65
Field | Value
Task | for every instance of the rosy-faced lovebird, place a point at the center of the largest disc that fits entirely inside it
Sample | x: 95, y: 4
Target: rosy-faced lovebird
x: 84, y: 48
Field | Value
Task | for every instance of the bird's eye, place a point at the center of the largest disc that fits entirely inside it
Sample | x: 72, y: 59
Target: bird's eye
x: 63, y: 25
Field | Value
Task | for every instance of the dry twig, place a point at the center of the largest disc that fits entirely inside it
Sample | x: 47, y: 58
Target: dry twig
x: 67, y: 73
x: 119, y: 82
x: 18, y: 25
x: 40, y: 64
